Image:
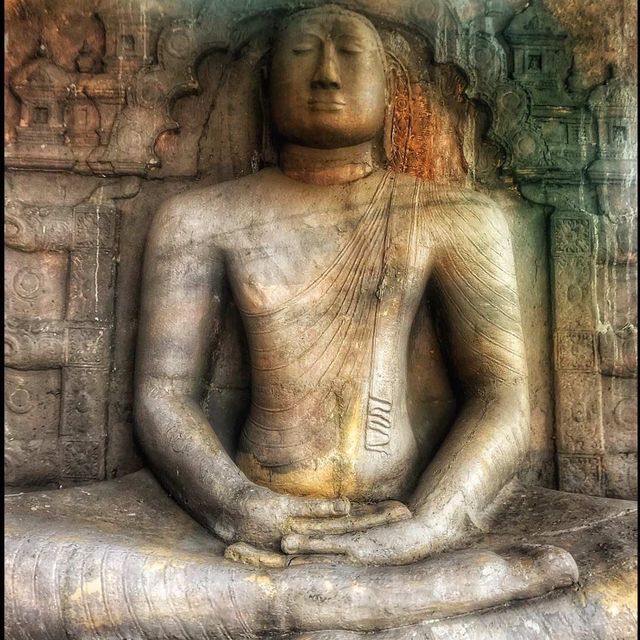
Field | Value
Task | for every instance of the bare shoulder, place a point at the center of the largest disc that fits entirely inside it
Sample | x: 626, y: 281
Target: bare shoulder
x: 463, y: 216
x: 202, y: 214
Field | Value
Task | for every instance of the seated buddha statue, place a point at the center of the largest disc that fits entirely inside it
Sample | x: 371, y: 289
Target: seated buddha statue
x: 327, y: 257
x: 336, y: 512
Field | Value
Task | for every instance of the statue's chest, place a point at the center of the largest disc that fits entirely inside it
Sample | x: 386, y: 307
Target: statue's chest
x: 298, y: 265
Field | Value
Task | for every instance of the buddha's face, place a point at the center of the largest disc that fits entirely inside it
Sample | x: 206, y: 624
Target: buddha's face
x: 327, y: 81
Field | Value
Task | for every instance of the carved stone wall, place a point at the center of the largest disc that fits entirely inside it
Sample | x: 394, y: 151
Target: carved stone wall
x: 587, y: 174
x: 59, y: 302
x: 98, y: 92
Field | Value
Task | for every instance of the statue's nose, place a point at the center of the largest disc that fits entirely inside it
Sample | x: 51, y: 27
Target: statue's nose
x: 327, y: 75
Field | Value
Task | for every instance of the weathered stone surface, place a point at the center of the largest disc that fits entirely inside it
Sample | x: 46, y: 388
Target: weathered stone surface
x: 496, y: 95
x: 81, y: 50
x: 60, y: 289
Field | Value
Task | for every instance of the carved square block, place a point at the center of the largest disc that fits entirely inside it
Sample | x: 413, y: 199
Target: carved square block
x: 617, y: 133
x: 572, y: 235
x: 32, y: 404
x: 620, y: 414
x: 84, y: 402
x: 88, y: 346
x: 34, y: 349
x: 95, y: 226
x: 82, y: 460
x: 31, y: 462
x: 579, y: 413
x: 91, y: 286
x: 581, y: 474
x: 576, y: 350
x: 621, y: 475
x: 574, y: 304
x: 35, y: 284
x: 33, y: 228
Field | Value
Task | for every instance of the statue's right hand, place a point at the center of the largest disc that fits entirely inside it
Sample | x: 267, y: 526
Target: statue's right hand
x: 262, y: 517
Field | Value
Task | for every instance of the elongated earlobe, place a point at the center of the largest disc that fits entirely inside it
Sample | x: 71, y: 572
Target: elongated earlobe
x: 388, y: 120
x: 396, y: 151
x: 268, y: 151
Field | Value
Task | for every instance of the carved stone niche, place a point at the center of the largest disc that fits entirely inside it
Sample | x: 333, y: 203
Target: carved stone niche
x: 42, y: 88
x: 547, y: 140
x: 585, y: 173
x: 106, y: 116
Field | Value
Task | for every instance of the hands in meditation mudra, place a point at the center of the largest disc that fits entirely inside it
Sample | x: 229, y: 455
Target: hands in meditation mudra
x: 338, y: 510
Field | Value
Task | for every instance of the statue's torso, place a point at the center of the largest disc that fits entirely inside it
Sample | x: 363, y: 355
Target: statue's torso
x: 328, y: 284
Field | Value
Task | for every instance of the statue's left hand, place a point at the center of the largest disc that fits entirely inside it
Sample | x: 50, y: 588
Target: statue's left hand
x: 403, y: 542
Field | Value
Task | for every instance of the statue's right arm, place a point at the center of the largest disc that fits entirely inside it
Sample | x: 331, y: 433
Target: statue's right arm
x: 182, y: 286
x: 179, y: 313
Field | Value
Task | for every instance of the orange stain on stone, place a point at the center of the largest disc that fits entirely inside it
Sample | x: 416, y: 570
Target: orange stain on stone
x: 425, y: 140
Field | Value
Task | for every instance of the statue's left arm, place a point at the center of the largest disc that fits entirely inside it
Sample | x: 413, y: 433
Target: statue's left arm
x: 476, y: 279
x: 475, y: 276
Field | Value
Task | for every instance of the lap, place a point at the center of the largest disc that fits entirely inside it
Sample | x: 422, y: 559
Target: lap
x: 130, y: 527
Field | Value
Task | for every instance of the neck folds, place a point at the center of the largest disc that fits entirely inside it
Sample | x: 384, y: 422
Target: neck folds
x: 326, y: 166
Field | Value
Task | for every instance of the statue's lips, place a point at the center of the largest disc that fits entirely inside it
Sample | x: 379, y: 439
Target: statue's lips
x: 326, y: 105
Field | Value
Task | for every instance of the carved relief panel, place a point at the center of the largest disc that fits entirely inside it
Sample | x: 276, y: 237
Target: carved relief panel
x: 59, y: 296
x: 589, y: 180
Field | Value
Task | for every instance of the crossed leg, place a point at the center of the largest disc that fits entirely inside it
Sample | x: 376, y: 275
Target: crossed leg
x: 120, y: 560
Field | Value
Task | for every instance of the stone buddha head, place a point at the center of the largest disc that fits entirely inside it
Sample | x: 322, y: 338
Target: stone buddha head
x: 327, y: 79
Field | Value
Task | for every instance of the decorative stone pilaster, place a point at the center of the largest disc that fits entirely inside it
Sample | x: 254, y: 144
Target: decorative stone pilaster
x: 614, y: 175
x: 59, y: 288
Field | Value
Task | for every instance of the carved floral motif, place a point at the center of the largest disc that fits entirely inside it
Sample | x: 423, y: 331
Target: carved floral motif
x: 575, y: 350
x: 579, y: 414
x: 574, y: 305
x: 82, y: 460
x: 572, y: 235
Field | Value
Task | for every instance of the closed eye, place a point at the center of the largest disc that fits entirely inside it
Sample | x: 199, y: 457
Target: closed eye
x: 350, y: 45
x: 303, y: 48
